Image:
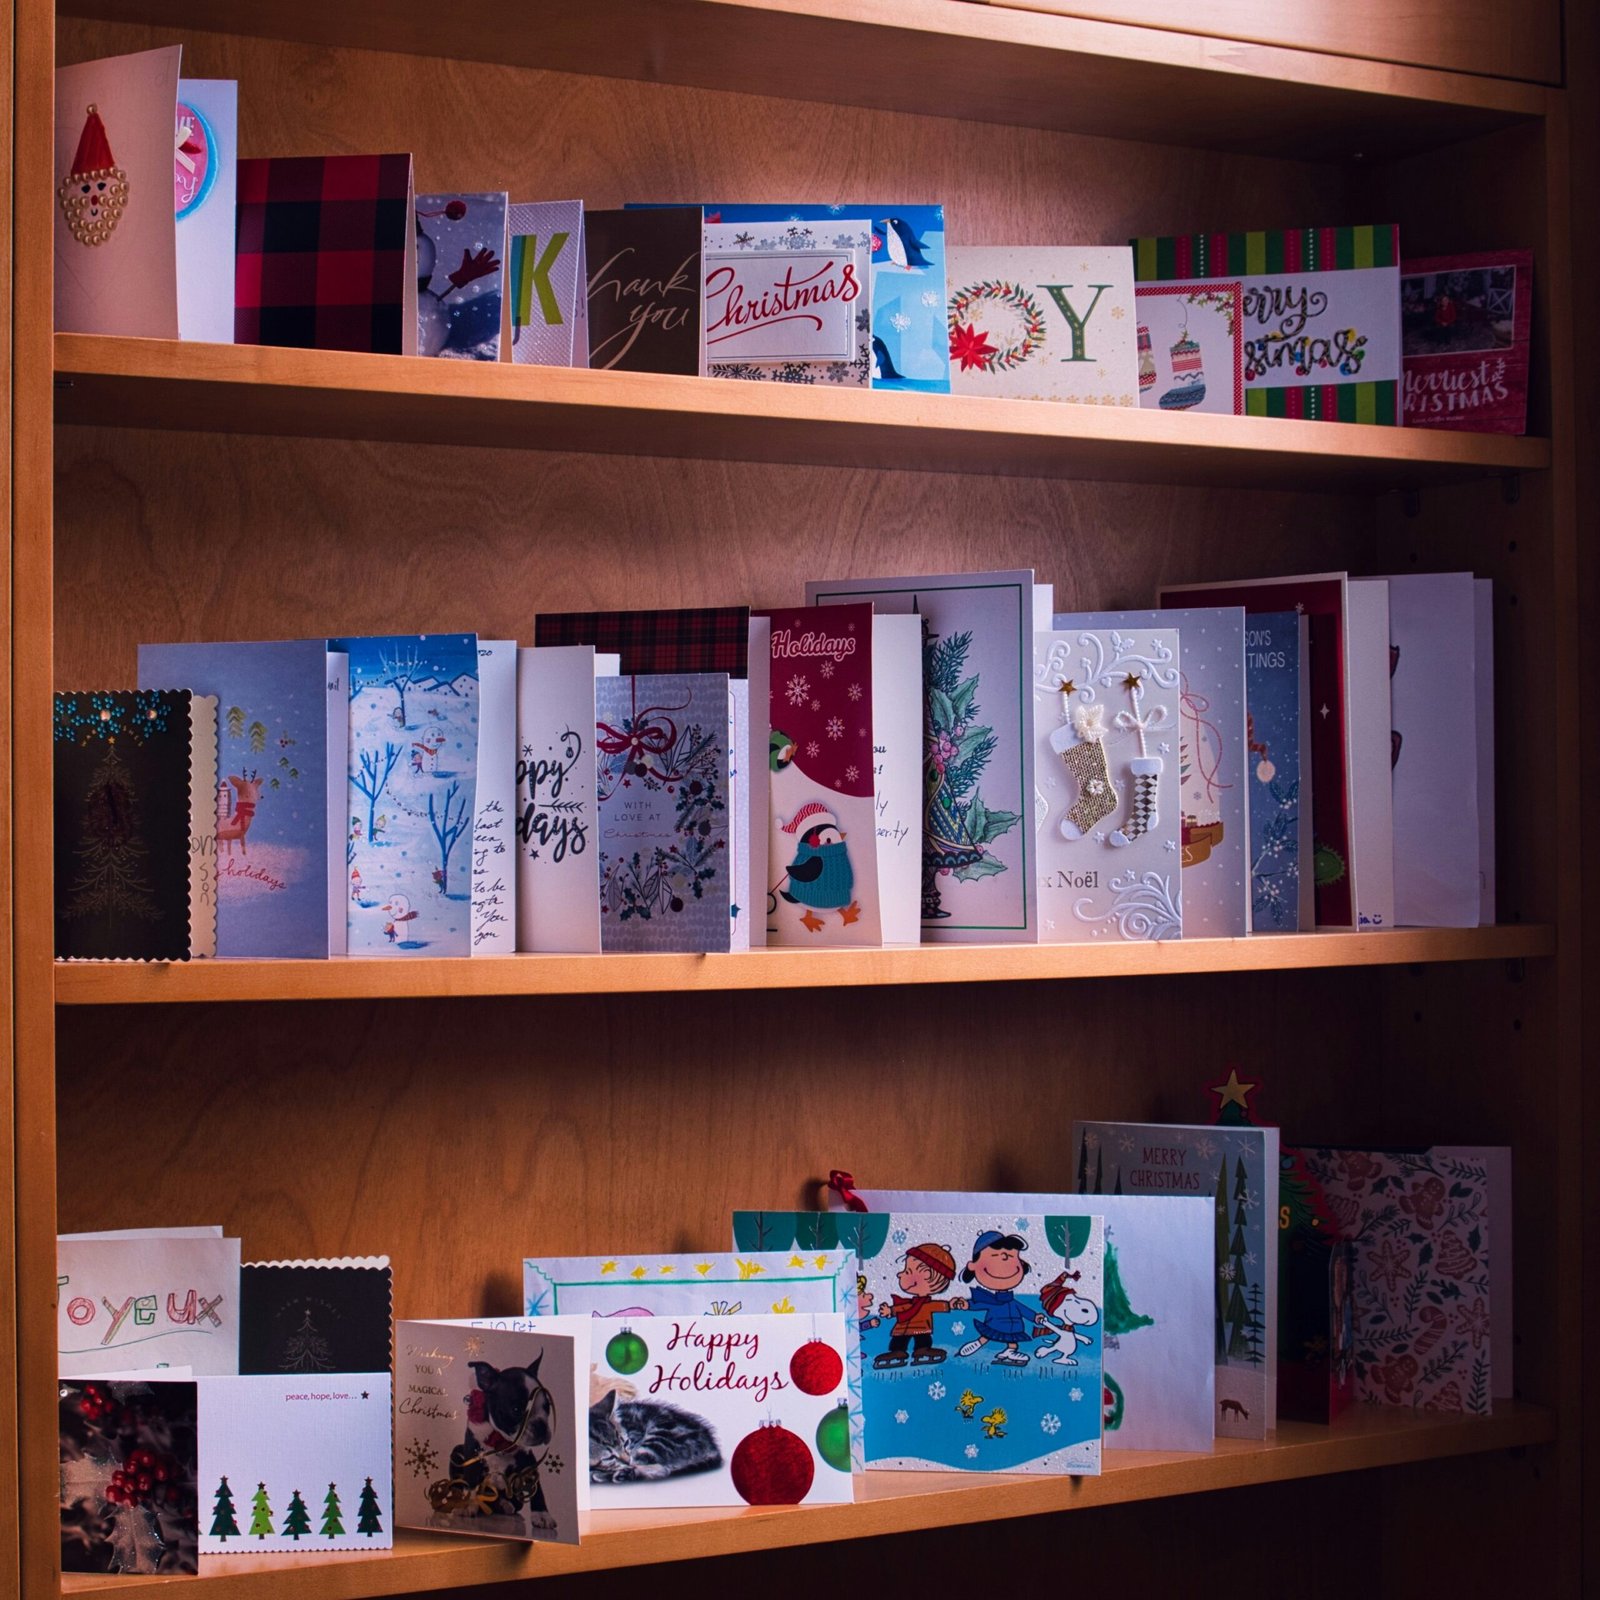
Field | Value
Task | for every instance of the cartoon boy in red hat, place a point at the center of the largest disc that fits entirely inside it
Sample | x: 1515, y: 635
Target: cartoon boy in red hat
x: 925, y: 1271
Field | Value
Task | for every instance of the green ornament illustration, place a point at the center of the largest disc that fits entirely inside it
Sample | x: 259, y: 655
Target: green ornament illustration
x: 833, y: 1438
x: 627, y: 1353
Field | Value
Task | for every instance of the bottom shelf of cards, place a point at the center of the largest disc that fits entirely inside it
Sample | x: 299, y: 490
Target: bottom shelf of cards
x: 886, y: 1502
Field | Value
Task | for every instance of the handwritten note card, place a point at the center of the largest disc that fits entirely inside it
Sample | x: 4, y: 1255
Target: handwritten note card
x: 494, y: 878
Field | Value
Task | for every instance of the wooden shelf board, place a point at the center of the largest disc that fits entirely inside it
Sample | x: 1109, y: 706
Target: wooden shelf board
x: 887, y: 1502
x: 979, y: 63
x: 149, y: 383
x: 359, y: 978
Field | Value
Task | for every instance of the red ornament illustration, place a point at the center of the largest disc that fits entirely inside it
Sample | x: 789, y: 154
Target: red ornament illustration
x: 772, y: 1467
x: 816, y: 1368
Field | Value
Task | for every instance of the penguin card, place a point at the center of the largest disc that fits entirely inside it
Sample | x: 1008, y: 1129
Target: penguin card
x: 1106, y: 726
x: 549, y: 311
x: 1043, y: 323
x: 1191, y: 346
x: 116, y: 252
x: 207, y: 198
x: 461, y: 253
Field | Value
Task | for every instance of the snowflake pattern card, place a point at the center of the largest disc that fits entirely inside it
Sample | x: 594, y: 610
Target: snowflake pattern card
x: 116, y: 263
x: 461, y: 252
x: 296, y: 1464
x: 1212, y: 789
x: 1106, y: 725
x: 206, y: 194
x: 644, y: 290
x: 315, y: 1317
x: 549, y: 310
x: 1191, y: 346
x: 413, y: 777
x: 661, y: 795
x: 1043, y: 324
x: 129, y: 1501
x: 696, y: 639
x: 1280, y: 825
x: 979, y: 875
x: 1371, y: 664
x: 1237, y: 1169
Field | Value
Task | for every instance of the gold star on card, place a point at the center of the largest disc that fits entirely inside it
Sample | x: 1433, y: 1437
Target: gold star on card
x: 1067, y: 686
x: 1232, y: 1092
x: 1133, y: 682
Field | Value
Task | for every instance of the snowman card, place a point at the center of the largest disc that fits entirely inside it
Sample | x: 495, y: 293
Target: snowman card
x: 1191, y: 346
x: 549, y: 311
x: 461, y: 252
x: 1106, y: 721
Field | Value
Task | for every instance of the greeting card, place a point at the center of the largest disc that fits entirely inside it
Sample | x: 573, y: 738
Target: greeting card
x: 1320, y: 598
x: 1278, y: 693
x: 1321, y: 309
x: 1212, y: 791
x: 315, y: 1317
x: 1371, y: 661
x: 1464, y: 323
x: 206, y: 194
x: 1191, y: 346
x: 1237, y: 1168
x: 898, y: 757
x: 461, y: 253
x: 413, y: 772
x: 135, y: 850
x: 297, y: 1464
x: 549, y: 310
x: 790, y: 303
x: 661, y: 791
x: 116, y: 263
x: 1043, y: 324
x: 1316, y: 1304
x: 327, y: 254
x: 741, y: 887
x: 1106, y: 715
x: 494, y: 849
x: 1484, y: 684
x: 280, y: 788
x: 644, y: 290
x: 128, y: 1463
x: 698, y: 639
x: 979, y: 877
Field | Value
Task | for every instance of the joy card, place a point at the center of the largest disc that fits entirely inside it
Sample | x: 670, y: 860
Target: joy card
x: 1191, y: 346
x: 1106, y: 710
x: 549, y: 308
x: 644, y: 290
x: 315, y: 1317
x: 205, y: 179
x: 461, y: 252
x: 1278, y: 694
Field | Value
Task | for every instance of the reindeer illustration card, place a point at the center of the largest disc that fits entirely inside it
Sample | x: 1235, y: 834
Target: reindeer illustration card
x: 412, y: 767
x: 549, y: 305
x: 461, y: 253
x: 315, y: 1317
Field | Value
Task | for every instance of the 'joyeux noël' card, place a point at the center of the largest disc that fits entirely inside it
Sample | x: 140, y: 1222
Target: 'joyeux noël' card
x: 695, y: 639
x: 1042, y: 323
x: 1191, y: 346
x: 296, y: 1464
x: 549, y: 303
x: 644, y: 290
x: 1106, y: 726
x: 461, y: 252
x: 206, y: 193
x: 315, y: 1317
x: 413, y: 775
x: 1278, y: 696
x: 1237, y: 1168
x: 979, y: 873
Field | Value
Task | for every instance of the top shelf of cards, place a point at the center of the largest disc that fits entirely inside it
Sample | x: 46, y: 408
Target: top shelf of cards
x: 980, y: 63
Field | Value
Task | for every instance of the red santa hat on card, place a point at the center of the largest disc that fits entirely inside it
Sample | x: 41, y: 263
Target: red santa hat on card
x: 94, y: 148
x: 94, y: 192
x: 812, y: 808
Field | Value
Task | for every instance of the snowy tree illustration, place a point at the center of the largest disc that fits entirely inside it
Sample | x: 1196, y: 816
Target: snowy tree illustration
x: 368, y: 1522
x: 223, y: 1522
x: 1238, y: 1311
x: 1275, y: 872
x: 298, y: 1520
x: 400, y: 672
x: 1120, y: 1317
x: 370, y: 781
x: 260, y: 1513
x: 447, y: 829
x: 305, y: 1350
x: 111, y: 879
x: 1256, y: 1332
x: 332, y: 1527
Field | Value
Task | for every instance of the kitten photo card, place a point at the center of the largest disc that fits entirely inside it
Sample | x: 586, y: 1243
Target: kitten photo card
x: 549, y: 305
x: 316, y: 1316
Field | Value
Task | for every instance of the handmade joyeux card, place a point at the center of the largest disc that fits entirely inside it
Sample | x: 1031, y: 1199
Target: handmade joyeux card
x: 1321, y: 314
x: 206, y: 194
x: 461, y: 252
x: 413, y: 770
x: 1211, y: 750
x: 1043, y: 324
x: 979, y: 879
x: 698, y: 639
x: 147, y: 1300
x: 549, y: 305
x: 1320, y: 598
x: 129, y: 1501
x: 1371, y: 661
x: 1237, y: 1169
x: 1106, y: 723
x: 116, y: 264
x: 1191, y: 346
x: 789, y: 304
x: 661, y: 795
x: 315, y: 1316
x: 280, y: 791
x: 1465, y: 321
x: 487, y: 1437
x: 494, y: 854
x: 1280, y: 823
x: 644, y: 290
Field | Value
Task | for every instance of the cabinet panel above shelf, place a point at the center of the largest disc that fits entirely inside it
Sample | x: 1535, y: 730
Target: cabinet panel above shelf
x: 359, y: 978
x: 148, y: 383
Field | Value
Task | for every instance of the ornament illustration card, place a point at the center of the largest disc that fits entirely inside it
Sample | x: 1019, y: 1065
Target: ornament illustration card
x: 549, y: 308
x: 135, y: 862
x: 979, y: 877
x: 1465, y: 322
x: 461, y: 253
x: 1191, y: 346
x: 1211, y: 768
x: 494, y: 851
x: 790, y: 303
x: 661, y: 793
x: 279, y: 826
x: 205, y: 177
x: 116, y: 265
x: 1106, y: 719
x: 315, y: 1317
x: 699, y: 639
x: 327, y: 254
x: 1321, y: 599
x: 296, y: 1464
x: 1321, y: 309
x: 1371, y: 750
x: 1280, y: 832
x: 1044, y: 324
x: 129, y: 1501
x: 644, y: 290
x: 413, y: 776
x: 1237, y: 1168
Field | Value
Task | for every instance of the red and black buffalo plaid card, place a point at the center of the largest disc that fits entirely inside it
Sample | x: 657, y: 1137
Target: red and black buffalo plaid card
x: 327, y: 254
x: 711, y: 639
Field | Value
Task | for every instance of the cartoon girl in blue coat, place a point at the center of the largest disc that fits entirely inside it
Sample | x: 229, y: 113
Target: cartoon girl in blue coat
x: 995, y: 1272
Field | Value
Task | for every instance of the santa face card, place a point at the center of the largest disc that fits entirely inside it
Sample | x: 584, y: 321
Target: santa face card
x: 1191, y: 346
x: 315, y: 1317
x: 461, y: 253
x: 205, y: 179
x: 549, y: 311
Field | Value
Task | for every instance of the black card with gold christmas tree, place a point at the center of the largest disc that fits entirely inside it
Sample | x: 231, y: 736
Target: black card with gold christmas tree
x: 315, y: 1316
x: 135, y: 854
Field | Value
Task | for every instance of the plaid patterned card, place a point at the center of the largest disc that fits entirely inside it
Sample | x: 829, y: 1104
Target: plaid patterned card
x: 326, y: 254
x: 708, y: 639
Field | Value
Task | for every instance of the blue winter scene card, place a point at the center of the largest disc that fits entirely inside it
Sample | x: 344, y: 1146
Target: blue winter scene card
x: 1272, y: 674
x: 273, y: 762
x: 413, y: 788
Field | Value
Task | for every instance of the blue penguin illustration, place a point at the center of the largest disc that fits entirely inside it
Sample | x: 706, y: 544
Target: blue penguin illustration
x: 820, y: 876
x: 904, y: 247
x: 887, y: 372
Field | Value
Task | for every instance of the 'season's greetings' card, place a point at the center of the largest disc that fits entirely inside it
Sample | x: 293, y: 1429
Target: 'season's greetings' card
x: 1277, y: 771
